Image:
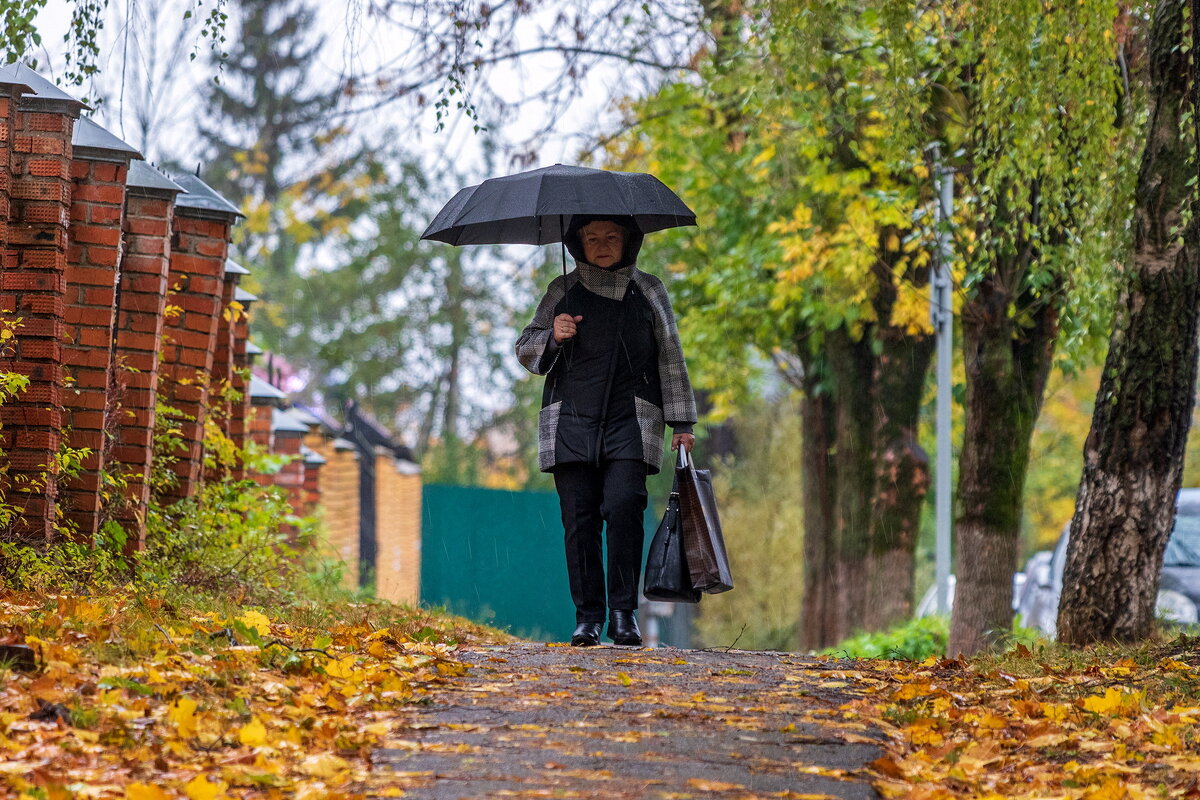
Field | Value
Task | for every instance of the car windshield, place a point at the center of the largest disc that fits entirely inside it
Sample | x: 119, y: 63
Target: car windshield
x: 1183, y: 548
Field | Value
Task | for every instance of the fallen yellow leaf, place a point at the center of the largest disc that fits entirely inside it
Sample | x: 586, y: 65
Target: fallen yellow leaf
x: 183, y: 714
x: 256, y: 621
x: 253, y: 734
x: 201, y: 788
x: 144, y: 791
x: 325, y: 765
x: 713, y: 786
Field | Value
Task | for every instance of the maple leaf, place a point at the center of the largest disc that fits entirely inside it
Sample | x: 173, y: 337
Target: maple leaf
x: 256, y: 622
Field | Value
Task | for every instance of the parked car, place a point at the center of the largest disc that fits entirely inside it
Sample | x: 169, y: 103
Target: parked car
x: 1179, y: 583
x: 927, y: 605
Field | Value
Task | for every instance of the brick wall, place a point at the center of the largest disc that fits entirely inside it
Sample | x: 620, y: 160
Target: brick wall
x: 398, y: 532
x: 118, y: 279
x: 32, y: 286
x: 142, y: 292
x: 195, y: 286
x: 93, y: 253
x: 339, y: 502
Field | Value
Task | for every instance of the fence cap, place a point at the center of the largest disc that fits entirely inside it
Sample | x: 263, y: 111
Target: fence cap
x: 234, y: 268
x: 262, y: 389
x: 201, y: 197
x: 46, y: 95
x: 282, y: 420
x: 242, y: 296
x: 93, y: 142
x: 312, y: 456
x: 148, y: 178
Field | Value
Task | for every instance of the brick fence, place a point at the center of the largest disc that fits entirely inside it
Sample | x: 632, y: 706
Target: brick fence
x: 119, y: 282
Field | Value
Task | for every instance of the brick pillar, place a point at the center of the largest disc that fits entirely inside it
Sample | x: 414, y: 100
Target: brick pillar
x: 287, y: 434
x: 239, y: 409
x: 313, y: 462
x: 9, y: 92
x: 264, y: 399
x: 98, y: 173
x: 33, y: 285
x: 142, y: 296
x: 398, y: 529
x: 195, y: 286
x: 339, y: 502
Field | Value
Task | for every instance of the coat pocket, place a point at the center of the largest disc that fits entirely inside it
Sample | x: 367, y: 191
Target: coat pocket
x: 650, y: 422
x: 548, y: 434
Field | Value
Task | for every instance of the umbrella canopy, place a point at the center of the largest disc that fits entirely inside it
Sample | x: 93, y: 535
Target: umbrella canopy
x: 535, y: 207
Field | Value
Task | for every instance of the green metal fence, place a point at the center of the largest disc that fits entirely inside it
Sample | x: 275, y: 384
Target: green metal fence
x: 497, y: 557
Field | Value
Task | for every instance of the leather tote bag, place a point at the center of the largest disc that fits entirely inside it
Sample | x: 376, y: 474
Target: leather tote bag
x: 667, y: 576
x: 703, y: 544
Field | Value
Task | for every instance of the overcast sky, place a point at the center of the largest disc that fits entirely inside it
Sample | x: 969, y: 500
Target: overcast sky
x: 354, y: 46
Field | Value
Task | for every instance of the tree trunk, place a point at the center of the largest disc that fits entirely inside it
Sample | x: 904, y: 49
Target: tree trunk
x: 1006, y: 368
x: 852, y: 368
x: 819, y: 610
x: 901, y: 477
x: 1133, y: 458
x: 865, y: 479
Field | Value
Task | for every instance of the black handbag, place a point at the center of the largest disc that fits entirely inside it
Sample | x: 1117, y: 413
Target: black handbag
x: 703, y: 544
x: 667, y: 576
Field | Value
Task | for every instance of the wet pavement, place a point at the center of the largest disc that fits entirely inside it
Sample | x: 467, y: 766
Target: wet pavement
x: 536, y: 720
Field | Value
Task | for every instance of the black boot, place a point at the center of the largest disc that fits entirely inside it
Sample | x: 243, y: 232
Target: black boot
x: 587, y: 634
x: 623, y: 628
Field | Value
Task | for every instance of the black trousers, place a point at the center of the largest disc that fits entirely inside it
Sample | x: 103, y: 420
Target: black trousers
x: 615, y: 493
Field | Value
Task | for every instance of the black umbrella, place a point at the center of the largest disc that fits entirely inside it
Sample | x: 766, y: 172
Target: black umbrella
x: 536, y: 207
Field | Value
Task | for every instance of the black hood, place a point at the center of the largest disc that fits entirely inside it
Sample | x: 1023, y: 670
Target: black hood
x: 633, y: 238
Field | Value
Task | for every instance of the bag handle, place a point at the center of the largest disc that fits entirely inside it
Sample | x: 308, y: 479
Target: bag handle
x: 683, y: 461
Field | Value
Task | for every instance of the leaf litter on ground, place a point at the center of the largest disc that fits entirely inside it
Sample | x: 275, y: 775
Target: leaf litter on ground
x: 133, y: 697
x: 1101, y: 723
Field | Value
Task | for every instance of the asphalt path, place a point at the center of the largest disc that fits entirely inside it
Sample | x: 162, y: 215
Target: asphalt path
x: 535, y: 720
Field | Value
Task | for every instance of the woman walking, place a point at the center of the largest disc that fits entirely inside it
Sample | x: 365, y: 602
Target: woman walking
x: 605, y: 338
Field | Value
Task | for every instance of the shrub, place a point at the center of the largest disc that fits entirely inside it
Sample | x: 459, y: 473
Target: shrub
x: 914, y: 640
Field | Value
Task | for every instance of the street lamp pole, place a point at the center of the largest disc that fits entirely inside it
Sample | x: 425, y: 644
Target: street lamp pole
x: 942, y: 315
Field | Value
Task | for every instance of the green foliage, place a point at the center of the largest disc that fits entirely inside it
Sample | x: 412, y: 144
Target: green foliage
x: 20, y: 35
x: 919, y: 639
x: 914, y: 640
x: 760, y: 506
x: 234, y: 537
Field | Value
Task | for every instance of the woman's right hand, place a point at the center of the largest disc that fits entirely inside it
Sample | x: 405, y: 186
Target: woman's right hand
x: 564, y: 327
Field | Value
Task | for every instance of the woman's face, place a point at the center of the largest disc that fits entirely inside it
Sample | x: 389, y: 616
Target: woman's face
x: 603, y: 242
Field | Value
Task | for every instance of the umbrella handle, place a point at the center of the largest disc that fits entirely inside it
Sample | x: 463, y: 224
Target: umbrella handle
x: 562, y: 245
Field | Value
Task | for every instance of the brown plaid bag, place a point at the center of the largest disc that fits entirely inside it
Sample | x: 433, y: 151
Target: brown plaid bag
x: 703, y: 544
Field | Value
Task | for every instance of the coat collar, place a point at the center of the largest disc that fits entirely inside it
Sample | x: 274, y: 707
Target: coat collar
x: 610, y: 283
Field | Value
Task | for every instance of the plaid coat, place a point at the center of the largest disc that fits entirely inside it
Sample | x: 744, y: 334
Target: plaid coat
x: 649, y: 400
